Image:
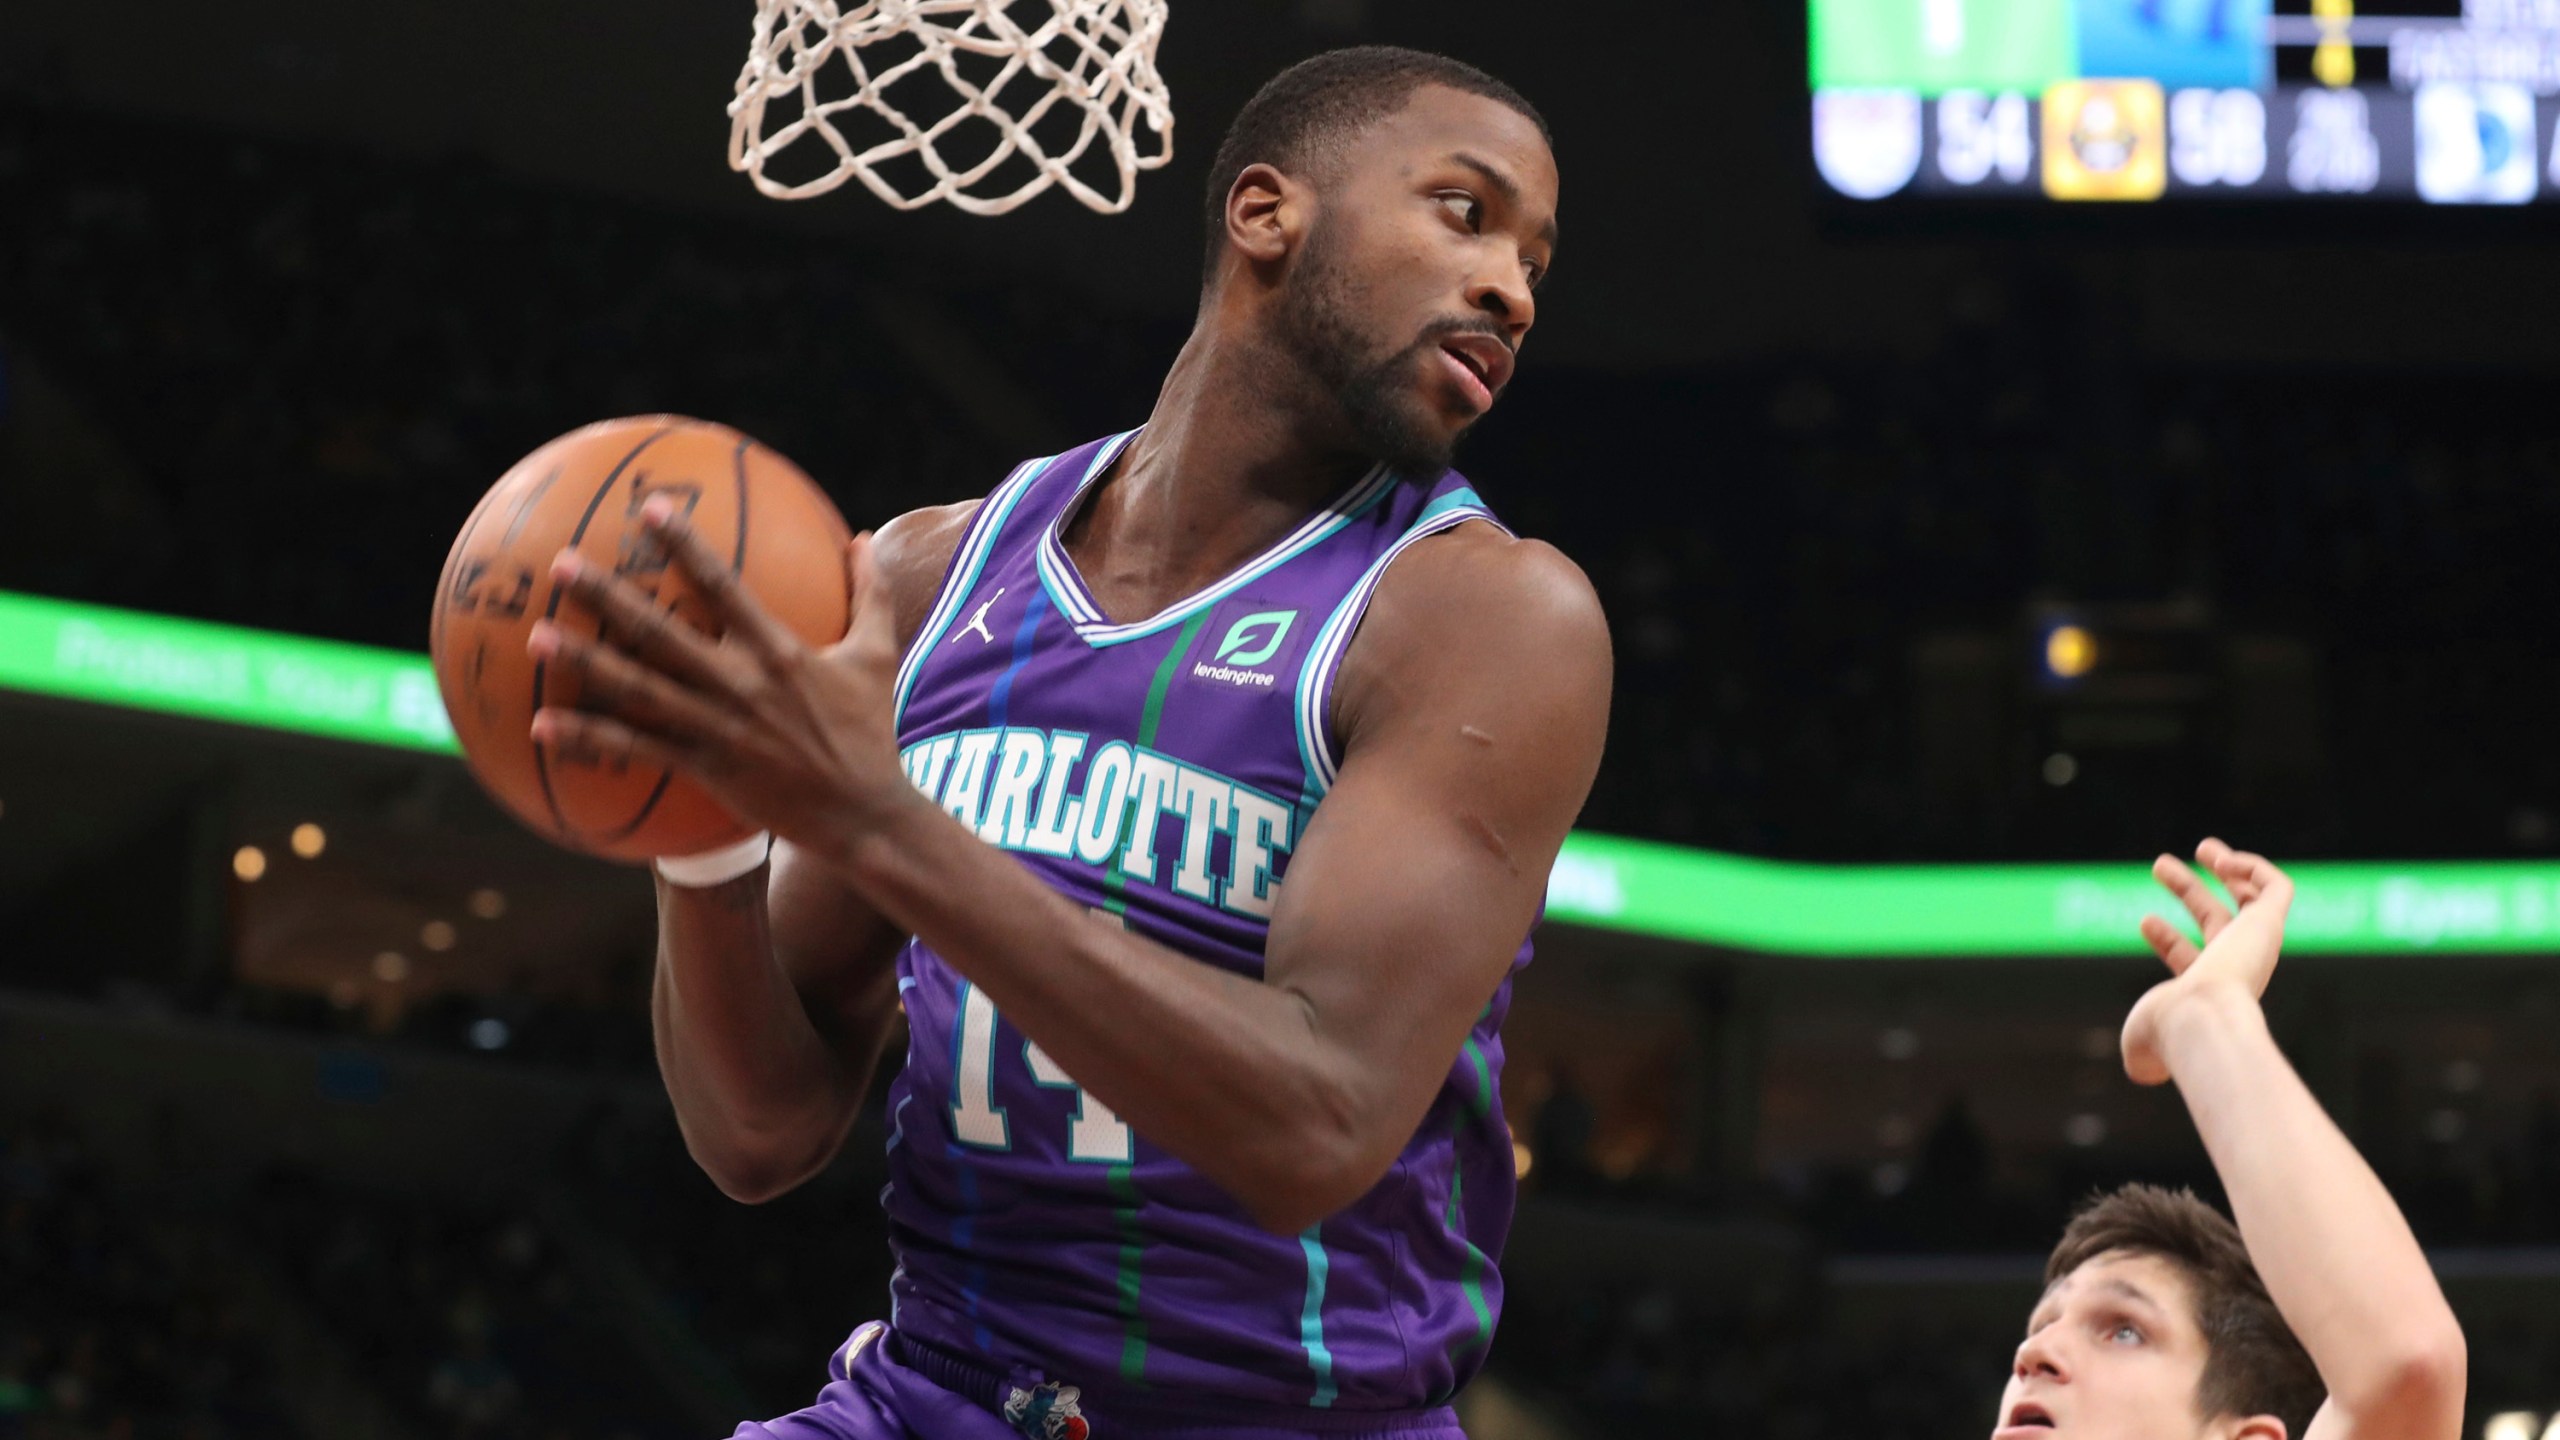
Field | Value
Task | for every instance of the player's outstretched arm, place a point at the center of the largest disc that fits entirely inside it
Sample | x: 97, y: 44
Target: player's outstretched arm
x: 776, y: 991
x: 2332, y: 1247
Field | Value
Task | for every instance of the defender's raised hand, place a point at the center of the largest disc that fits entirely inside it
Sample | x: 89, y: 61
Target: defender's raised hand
x: 790, y: 738
x: 2239, y: 950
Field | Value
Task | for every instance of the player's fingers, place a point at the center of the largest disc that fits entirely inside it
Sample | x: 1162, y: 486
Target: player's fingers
x: 2265, y: 884
x: 637, y: 624
x: 575, y: 737
x: 2192, y: 892
x: 873, y: 635
x: 2213, y: 856
x: 861, y: 574
x: 2169, y: 943
x: 611, y: 683
x: 737, y: 611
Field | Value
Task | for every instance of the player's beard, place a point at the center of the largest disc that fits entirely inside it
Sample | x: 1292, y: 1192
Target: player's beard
x: 1379, y: 399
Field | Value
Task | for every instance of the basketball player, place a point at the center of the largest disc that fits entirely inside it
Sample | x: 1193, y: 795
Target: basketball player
x: 2316, y: 1318
x: 1193, y: 794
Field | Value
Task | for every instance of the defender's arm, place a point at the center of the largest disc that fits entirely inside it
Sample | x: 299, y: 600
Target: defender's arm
x: 2335, y: 1253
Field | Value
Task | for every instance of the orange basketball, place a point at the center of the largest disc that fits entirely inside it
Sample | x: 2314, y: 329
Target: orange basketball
x: 584, y: 491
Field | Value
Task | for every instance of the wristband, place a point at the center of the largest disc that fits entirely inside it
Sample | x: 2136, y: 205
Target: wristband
x: 717, y: 867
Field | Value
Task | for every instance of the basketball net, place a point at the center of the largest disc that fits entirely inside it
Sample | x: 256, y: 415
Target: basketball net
x: 1096, y: 58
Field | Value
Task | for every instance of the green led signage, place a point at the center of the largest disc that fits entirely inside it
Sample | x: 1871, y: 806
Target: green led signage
x: 1934, y: 46
x: 386, y: 697
x: 2359, y: 908
x: 220, y: 672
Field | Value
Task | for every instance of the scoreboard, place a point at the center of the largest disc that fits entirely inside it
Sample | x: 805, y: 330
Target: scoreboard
x: 2444, y: 102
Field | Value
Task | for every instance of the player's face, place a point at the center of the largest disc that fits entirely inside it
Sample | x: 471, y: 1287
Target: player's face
x: 2112, y: 1352
x: 1416, y: 284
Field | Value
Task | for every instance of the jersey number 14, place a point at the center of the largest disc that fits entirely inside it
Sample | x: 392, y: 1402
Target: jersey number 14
x: 1094, y: 1135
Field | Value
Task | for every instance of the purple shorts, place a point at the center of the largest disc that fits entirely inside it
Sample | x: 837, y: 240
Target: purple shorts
x: 873, y: 1394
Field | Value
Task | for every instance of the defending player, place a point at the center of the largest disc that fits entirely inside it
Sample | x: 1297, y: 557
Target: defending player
x: 2157, y: 1319
x: 1266, y: 688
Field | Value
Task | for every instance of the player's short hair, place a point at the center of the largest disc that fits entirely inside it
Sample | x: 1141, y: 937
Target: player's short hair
x: 1325, y: 99
x: 2253, y: 1365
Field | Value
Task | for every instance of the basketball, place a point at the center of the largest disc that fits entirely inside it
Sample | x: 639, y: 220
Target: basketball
x: 584, y: 492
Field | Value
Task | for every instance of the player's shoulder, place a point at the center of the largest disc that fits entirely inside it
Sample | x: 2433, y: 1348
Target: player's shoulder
x: 920, y: 542
x: 1480, y: 589
x: 912, y: 553
x: 1471, y: 612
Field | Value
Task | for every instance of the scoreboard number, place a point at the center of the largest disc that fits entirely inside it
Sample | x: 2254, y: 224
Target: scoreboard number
x: 1981, y: 135
x: 2217, y: 137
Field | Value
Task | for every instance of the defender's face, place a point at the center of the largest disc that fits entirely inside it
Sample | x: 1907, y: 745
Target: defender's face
x: 2112, y: 1352
x: 1417, y: 284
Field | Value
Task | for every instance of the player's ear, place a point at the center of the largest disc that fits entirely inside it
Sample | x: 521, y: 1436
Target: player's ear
x: 2258, y: 1427
x: 1267, y: 214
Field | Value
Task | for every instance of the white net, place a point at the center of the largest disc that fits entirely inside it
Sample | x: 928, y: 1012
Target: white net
x: 1017, y: 95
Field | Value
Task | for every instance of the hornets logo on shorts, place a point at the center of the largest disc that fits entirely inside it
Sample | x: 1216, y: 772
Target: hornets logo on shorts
x: 1047, y: 1412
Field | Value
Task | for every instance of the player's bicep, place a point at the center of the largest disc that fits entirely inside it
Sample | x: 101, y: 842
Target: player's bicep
x: 1480, y: 720
x: 1395, y: 923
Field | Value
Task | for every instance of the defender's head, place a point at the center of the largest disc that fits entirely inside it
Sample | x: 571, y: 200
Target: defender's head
x: 2154, y: 1325
x: 1378, y: 221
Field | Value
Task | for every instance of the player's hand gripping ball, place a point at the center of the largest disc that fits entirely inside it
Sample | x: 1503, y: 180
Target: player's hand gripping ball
x: 767, y: 525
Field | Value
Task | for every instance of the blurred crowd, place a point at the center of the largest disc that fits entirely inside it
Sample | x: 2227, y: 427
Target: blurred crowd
x: 2483, y: 1175
x: 1775, y: 590
x: 466, y: 1316
x: 1642, y: 1360
x: 116, y: 1324
x: 775, y: 1288
x: 142, y: 1306
x: 523, y: 1027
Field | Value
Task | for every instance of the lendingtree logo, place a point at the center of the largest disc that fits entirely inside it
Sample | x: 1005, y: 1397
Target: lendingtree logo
x: 1248, y: 644
x: 1255, y: 638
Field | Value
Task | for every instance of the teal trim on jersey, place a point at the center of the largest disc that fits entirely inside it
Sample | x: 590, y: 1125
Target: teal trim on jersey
x: 969, y: 562
x: 1479, y: 1107
x: 1311, y: 1319
x: 1307, y: 705
x: 1071, y: 600
x: 1334, y: 637
x: 1319, y: 1264
x: 1462, y: 498
x: 1058, y: 576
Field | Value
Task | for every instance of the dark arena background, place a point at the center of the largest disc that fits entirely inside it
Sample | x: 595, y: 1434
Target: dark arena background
x: 1963, y: 547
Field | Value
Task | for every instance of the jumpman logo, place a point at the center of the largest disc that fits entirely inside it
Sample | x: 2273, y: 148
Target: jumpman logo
x: 978, y: 622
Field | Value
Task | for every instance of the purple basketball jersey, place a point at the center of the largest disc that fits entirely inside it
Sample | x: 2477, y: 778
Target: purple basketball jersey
x: 1158, y: 772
